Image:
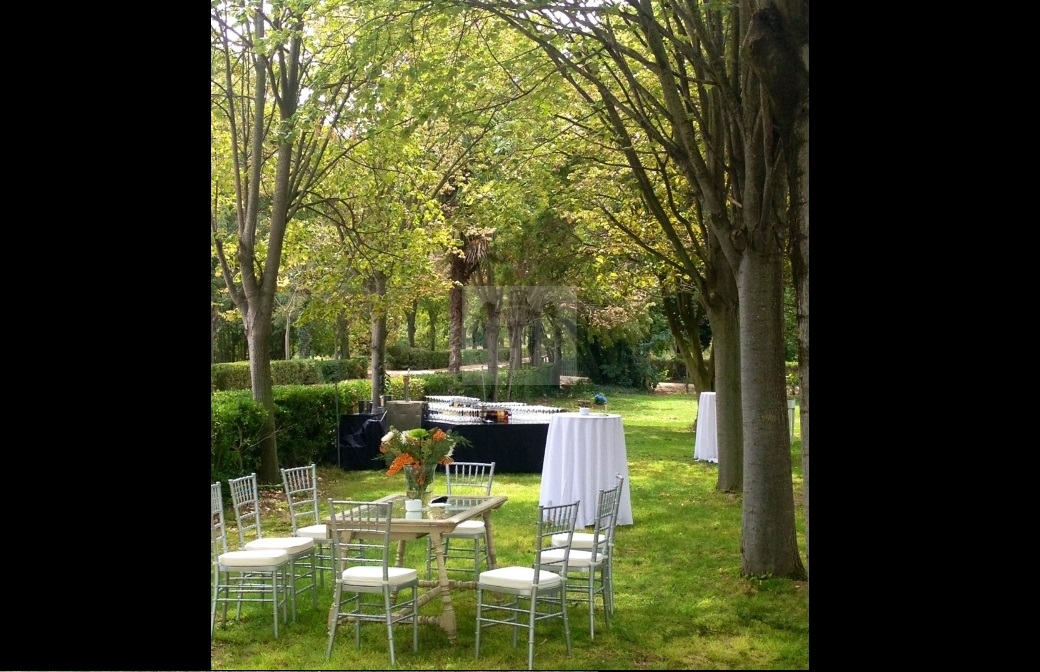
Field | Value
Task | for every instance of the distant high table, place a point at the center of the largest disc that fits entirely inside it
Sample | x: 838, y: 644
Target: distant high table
x: 706, y: 444
x: 583, y: 453
x: 515, y: 448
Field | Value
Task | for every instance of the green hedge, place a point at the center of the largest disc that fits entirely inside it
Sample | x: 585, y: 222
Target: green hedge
x: 305, y: 418
x: 235, y: 375
x: 400, y: 357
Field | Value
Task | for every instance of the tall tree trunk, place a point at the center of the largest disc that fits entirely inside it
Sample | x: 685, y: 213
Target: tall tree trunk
x: 342, y: 336
x: 410, y: 317
x: 777, y: 45
x: 212, y: 334
x: 258, y: 334
x: 304, y: 340
x: 516, y: 319
x: 492, y: 331
x: 287, y: 349
x: 456, y: 336
x: 377, y: 350
x: 534, y: 349
x: 557, y: 354
x: 432, y: 315
x: 769, y: 544
x: 800, y: 271
x: 729, y: 418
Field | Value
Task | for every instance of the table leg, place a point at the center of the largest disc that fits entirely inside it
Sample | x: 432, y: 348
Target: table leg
x: 400, y: 553
x: 447, y: 616
x: 490, y: 541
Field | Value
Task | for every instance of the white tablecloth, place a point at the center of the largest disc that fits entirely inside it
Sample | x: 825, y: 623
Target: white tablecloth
x: 582, y: 455
x: 706, y: 445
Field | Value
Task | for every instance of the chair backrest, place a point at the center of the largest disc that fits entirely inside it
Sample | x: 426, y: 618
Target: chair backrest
x: 246, y: 504
x: 617, y: 507
x: 369, y: 543
x: 217, y: 529
x: 606, y: 516
x: 301, y: 489
x: 604, y: 513
x: 555, y: 520
x: 469, y: 478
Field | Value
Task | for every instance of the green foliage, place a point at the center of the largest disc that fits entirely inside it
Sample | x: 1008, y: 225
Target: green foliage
x: 236, y: 425
x: 305, y: 416
x: 669, y: 368
x: 307, y: 423
x: 793, y: 378
x: 235, y: 375
x: 342, y: 369
x: 480, y: 356
x: 400, y: 356
x: 528, y: 384
x: 416, y: 387
x: 619, y: 363
x: 790, y: 324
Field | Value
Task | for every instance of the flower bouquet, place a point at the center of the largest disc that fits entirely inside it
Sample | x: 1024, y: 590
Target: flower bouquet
x: 417, y: 452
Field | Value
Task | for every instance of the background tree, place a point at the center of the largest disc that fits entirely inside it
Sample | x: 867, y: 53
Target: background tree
x: 283, y: 77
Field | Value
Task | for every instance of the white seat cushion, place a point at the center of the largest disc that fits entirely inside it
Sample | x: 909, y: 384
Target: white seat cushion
x: 577, y: 558
x: 314, y: 531
x: 373, y: 576
x: 291, y: 545
x: 265, y: 558
x: 579, y: 540
x: 468, y: 528
x: 517, y: 578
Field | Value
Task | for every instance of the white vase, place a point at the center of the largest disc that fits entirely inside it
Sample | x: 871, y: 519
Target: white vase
x: 584, y: 410
x: 413, y: 505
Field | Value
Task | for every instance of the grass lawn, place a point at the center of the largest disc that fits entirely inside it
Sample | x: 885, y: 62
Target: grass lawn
x: 680, y: 602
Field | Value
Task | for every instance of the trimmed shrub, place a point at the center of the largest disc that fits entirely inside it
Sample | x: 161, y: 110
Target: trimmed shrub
x: 333, y: 370
x: 235, y: 375
x: 236, y: 425
x: 400, y: 356
x: 305, y: 418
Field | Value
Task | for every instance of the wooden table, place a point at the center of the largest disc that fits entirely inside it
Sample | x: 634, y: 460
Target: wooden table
x: 457, y: 509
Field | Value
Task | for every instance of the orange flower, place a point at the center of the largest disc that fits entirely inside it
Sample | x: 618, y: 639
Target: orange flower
x: 420, y: 450
x: 399, y: 462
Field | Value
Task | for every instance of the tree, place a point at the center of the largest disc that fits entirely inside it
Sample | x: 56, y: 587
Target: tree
x: 278, y: 91
x: 778, y: 47
x: 674, y: 88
